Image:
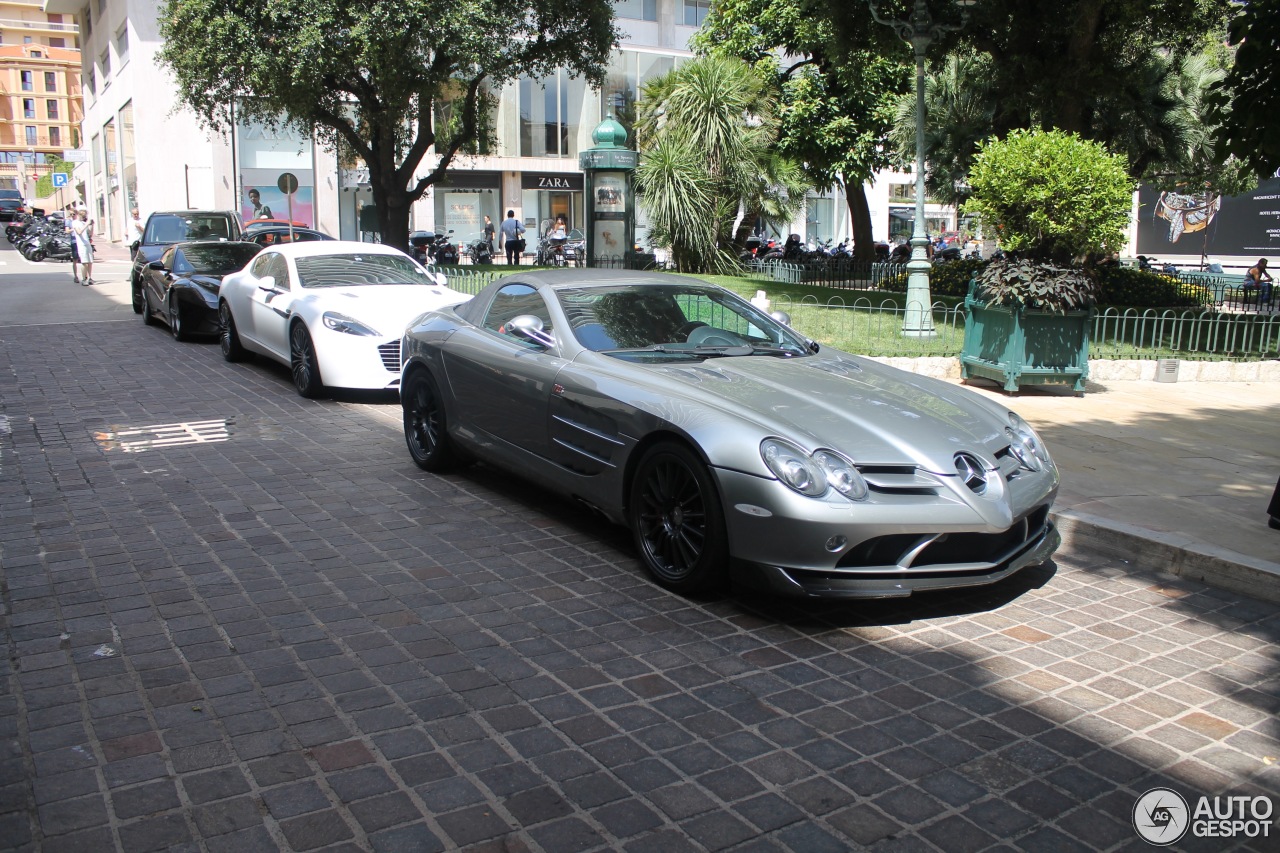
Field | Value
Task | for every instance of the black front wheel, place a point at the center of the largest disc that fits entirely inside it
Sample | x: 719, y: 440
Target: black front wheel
x: 302, y: 358
x: 136, y: 293
x: 228, y: 337
x: 677, y: 521
x: 424, y: 424
x: 147, y: 318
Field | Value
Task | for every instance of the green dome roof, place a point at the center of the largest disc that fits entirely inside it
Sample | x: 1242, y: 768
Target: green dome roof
x: 609, y: 134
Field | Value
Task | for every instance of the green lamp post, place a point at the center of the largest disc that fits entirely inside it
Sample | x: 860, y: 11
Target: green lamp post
x: 610, y: 196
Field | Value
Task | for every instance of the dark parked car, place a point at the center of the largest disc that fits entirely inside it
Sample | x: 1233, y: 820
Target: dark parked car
x: 278, y: 234
x: 12, y: 204
x: 165, y: 228
x: 182, y: 287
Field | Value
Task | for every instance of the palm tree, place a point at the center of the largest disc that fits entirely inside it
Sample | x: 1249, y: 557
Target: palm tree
x: 707, y: 132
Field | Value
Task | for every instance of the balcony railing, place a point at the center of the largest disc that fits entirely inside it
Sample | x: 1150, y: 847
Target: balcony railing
x: 19, y: 24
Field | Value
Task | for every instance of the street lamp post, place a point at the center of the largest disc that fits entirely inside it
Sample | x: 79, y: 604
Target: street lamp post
x: 919, y: 31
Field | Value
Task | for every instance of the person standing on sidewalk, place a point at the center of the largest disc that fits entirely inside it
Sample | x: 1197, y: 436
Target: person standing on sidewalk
x: 82, y: 237
x: 68, y: 221
x: 511, y: 231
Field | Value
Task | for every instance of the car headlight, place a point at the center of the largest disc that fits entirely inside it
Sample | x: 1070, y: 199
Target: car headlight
x: 1025, y: 443
x: 812, y: 475
x: 343, y: 323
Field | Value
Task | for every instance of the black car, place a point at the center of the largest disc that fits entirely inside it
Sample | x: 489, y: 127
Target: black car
x: 278, y: 234
x: 12, y: 204
x: 182, y: 287
x: 165, y: 228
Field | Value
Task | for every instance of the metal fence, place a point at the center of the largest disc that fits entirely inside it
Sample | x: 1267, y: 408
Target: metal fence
x: 1227, y: 291
x: 469, y: 279
x: 838, y: 274
x: 876, y: 329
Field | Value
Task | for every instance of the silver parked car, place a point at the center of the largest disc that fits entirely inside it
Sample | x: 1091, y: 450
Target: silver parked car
x: 731, y: 445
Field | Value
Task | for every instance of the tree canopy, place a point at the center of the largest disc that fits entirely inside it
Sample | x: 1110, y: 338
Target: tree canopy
x: 837, y: 83
x: 387, y: 80
x: 1247, y: 101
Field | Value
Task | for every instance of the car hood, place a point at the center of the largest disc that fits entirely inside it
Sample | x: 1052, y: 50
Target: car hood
x: 387, y: 308
x: 873, y: 413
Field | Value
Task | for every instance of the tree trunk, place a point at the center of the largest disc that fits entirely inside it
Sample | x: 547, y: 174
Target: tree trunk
x: 864, y: 247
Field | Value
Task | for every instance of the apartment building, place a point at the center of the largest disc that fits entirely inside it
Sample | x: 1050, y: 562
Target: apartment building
x: 40, y: 108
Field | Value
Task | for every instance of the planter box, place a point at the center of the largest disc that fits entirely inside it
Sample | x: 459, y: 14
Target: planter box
x: 1021, y: 347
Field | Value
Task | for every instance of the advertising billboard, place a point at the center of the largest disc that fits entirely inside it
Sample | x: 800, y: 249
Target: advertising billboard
x: 1178, y: 223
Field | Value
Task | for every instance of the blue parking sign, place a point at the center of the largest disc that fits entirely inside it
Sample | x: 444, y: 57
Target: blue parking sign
x: 61, y: 179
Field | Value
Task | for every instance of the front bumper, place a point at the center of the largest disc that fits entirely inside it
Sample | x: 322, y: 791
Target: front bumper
x: 889, y: 546
x: 357, y: 361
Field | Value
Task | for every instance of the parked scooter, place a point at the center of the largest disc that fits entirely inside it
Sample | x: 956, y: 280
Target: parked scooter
x: 480, y: 250
x: 442, y: 250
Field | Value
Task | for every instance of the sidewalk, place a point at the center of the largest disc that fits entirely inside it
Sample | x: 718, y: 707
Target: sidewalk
x: 1171, y: 477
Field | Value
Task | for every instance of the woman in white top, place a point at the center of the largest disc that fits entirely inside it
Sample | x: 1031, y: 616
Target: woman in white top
x: 82, y: 234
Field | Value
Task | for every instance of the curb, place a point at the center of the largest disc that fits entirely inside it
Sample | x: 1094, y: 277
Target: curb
x: 1170, y: 553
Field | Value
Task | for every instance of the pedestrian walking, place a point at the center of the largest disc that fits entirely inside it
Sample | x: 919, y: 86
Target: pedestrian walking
x: 82, y: 240
x: 68, y: 221
x: 488, y: 233
x: 512, y: 238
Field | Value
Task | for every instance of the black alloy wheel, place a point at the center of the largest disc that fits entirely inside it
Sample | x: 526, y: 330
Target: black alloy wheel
x: 175, y: 319
x: 302, y: 358
x: 228, y: 337
x: 136, y: 293
x: 424, y: 424
x: 677, y: 521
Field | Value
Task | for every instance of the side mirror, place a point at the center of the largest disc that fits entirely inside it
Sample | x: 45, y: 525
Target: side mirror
x: 158, y: 266
x: 267, y: 283
x: 133, y: 248
x: 530, y: 327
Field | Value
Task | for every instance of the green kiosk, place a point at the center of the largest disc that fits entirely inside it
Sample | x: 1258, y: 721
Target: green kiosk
x: 610, y: 198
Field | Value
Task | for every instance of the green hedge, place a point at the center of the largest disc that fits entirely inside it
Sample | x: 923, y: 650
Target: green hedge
x: 1118, y: 287
x: 1127, y: 287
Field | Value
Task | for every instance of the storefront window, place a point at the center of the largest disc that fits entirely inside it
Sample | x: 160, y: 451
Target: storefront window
x: 463, y: 201
x: 271, y: 161
x: 128, y: 159
x: 820, y: 221
x: 112, y: 206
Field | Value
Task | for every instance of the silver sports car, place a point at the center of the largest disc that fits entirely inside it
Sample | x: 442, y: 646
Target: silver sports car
x: 732, y: 446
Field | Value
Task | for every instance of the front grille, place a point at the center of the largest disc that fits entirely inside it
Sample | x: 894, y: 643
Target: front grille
x: 915, y: 551
x: 390, y: 354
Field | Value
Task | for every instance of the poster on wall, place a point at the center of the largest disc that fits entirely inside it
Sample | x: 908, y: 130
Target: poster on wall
x: 462, y: 213
x: 610, y: 238
x: 1181, y: 223
x: 277, y: 173
x: 263, y: 199
x: 611, y: 193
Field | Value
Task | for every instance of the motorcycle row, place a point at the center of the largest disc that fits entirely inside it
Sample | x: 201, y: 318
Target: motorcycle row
x: 431, y: 247
x: 40, y: 237
x: 793, y: 249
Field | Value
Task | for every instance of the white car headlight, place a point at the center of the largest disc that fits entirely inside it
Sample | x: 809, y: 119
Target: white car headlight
x: 841, y: 475
x: 1025, y: 443
x: 812, y: 475
x: 343, y: 323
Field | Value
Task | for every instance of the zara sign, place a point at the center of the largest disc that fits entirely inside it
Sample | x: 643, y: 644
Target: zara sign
x: 565, y: 182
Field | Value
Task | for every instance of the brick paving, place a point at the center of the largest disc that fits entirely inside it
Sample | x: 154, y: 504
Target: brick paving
x: 284, y: 636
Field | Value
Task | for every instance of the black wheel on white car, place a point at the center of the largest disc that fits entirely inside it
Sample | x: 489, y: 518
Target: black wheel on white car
x: 228, y: 338
x: 302, y: 358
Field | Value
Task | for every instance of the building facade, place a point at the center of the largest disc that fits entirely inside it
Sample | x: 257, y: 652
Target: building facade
x: 40, y: 111
x: 142, y: 149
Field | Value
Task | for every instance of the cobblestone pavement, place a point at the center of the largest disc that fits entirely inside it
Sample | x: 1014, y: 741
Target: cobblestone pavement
x: 269, y: 630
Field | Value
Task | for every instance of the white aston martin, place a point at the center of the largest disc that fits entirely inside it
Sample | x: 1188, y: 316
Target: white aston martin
x: 333, y: 311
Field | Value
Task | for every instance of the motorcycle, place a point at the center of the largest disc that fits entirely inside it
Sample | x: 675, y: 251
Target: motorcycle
x: 480, y: 250
x: 442, y: 250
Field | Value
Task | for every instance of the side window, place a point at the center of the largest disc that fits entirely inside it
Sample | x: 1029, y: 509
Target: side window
x: 167, y: 259
x: 280, y: 269
x: 512, y: 301
x: 177, y: 262
x: 261, y: 266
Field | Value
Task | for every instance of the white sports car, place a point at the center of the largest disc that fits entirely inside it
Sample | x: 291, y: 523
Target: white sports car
x: 333, y: 311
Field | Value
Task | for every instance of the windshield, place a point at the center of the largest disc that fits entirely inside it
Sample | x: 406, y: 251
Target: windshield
x: 354, y: 269
x: 172, y: 228
x: 657, y: 322
x: 220, y: 258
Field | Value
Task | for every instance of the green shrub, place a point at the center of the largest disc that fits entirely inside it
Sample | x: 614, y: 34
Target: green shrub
x: 1051, y: 195
x: 946, y: 279
x: 1126, y: 287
